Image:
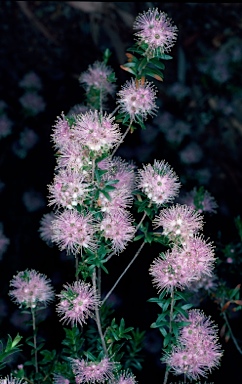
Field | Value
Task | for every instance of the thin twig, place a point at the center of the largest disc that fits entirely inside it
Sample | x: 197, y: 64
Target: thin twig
x: 231, y: 333
x: 97, y: 317
x: 141, y: 221
x: 122, y: 274
x: 35, y: 341
x: 123, y: 137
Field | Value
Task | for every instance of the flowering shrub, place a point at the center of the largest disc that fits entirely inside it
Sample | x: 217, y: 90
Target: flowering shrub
x: 101, y: 203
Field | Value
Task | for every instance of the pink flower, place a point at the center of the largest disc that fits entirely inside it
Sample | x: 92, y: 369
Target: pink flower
x: 59, y: 379
x: 198, y: 351
x: 68, y: 189
x: 121, y: 196
x: 137, y: 99
x: 98, y: 77
x: 73, y: 231
x: 125, y: 378
x: 156, y: 31
x: 12, y: 380
x: 207, y: 283
x: 77, y: 109
x: 180, y: 266
x: 93, y: 372
x: 120, y: 170
x: 97, y: 131
x: 200, y: 200
x: 77, y: 302
x: 159, y: 182
x: 74, y: 158
x: 116, y: 226
x: 31, y: 288
x: 179, y: 221
x: 62, y: 133
x: 118, y: 200
x: 201, y: 255
x: 45, y: 229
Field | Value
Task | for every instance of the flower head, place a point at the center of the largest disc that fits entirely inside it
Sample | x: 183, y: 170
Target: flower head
x: 98, y: 76
x: 198, y: 351
x: 179, y: 221
x: 45, y: 229
x: 125, y: 378
x: 201, y: 200
x: 137, y: 99
x: 92, y: 371
x: 180, y: 266
x: 97, y: 131
x: 156, y: 31
x: 72, y: 231
x: 117, y: 226
x: 77, y: 302
x: 59, y: 379
x: 122, y: 173
x: 62, y: 133
x: 31, y: 288
x: 12, y: 380
x: 68, y: 189
x: 159, y: 182
x: 120, y: 170
x: 74, y: 158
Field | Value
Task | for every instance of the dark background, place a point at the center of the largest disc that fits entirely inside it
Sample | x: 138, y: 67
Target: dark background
x: 58, y: 40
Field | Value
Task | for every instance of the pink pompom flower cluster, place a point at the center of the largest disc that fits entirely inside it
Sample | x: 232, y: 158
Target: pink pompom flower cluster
x: 93, y: 371
x: 191, y: 257
x: 125, y: 378
x: 158, y: 182
x: 12, y: 380
x: 198, y: 350
x: 156, y: 31
x: 72, y: 231
x: 179, y: 222
x: 97, y: 131
x: 77, y: 302
x: 30, y: 289
x: 180, y: 266
x: 137, y: 99
x: 98, y: 76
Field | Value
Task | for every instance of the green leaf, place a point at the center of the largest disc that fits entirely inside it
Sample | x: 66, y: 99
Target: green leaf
x: 142, y: 65
x: 128, y: 69
x: 163, y: 56
x: 167, y: 340
x: 157, y: 63
x: 155, y: 73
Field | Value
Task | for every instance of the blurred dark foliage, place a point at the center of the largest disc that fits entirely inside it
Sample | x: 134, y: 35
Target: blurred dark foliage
x: 58, y: 40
